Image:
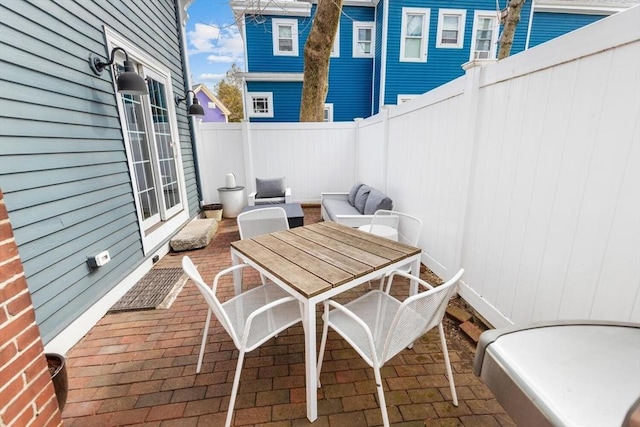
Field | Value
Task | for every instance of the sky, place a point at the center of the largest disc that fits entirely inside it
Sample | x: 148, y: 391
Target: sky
x: 213, y: 41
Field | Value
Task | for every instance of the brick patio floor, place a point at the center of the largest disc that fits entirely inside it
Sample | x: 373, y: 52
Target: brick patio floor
x: 138, y: 368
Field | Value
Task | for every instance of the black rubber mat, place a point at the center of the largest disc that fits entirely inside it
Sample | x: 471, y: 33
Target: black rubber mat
x: 151, y: 290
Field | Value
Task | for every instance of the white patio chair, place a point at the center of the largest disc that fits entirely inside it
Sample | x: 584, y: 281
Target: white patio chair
x: 250, y: 319
x: 261, y: 221
x: 408, y: 228
x: 378, y: 326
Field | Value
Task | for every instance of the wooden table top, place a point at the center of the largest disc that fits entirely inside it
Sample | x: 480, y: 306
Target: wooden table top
x: 317, y: 257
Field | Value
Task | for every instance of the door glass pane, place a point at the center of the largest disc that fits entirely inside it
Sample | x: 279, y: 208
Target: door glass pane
x: 164, y: 144
x: 140, y: 150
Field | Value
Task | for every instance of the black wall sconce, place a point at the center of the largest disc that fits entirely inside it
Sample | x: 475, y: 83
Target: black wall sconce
x: 128, y: 82
x: 194, y: 109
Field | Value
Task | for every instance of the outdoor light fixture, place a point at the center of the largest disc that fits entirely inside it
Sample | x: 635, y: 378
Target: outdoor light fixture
x: 194, y: 109
x: 129, y: 82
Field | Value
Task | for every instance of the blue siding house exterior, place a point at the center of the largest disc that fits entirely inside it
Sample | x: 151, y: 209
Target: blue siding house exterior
x: 416, y: 46
x: 84, y: 168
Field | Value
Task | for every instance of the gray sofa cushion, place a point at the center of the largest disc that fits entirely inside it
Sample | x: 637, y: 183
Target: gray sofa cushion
x: 335, y: 207
x: 270, y: 187
x: 353, y: 192
x: 361, y: 198
x: 377, y: 200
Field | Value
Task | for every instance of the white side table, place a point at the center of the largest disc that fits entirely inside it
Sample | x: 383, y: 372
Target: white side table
x: 233, y: 200
x: 381, y: 230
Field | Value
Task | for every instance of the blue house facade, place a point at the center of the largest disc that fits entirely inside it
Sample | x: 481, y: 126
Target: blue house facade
x: 386, y: 52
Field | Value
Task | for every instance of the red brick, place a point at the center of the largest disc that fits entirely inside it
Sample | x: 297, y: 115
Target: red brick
x: 8, y: 249
x: 7, y: 353
x: 10, y: 269
x: 6, y: 232
x: 166, y: 412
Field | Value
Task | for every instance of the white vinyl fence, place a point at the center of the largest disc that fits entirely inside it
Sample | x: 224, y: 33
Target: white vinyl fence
x: 525, y: 172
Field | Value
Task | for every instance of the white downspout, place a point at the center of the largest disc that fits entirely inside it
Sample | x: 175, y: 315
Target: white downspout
x: 526, y: 44
x: 383, y: 56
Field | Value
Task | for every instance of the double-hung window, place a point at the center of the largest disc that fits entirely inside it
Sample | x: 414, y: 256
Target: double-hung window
x: 485, y: 33
x: 152, y: 146
x: 363, y: 39
x: 415, y: 34
x: 285, y: 36
x: 260, y: 104
x: 335, y: 49
x: 451, y: 28
x: 327, y: 115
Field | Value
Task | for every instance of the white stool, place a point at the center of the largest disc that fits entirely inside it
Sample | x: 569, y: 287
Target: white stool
x: 381, y: 230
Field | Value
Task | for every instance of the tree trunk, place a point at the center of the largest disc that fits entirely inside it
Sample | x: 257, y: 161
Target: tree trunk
x: 509, y: 30
x: 317, y: 51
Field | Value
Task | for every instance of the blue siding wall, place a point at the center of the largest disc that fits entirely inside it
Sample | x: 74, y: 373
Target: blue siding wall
x: 63, y: 166
x: 350, y: 78
x: 547, y: 26
x: 286, y: 100
x: 443, y: 64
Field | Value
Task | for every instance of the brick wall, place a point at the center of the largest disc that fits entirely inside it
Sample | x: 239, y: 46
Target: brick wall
x: 27, y: 397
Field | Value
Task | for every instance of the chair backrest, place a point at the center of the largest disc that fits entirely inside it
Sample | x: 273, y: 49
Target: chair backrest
x: 261, y: 221
x: 408, y: 226
x: 418, y: 314
x: 209, y: 294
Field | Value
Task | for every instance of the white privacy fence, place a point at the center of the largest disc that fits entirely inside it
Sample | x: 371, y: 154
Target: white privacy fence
x: 525, y: 172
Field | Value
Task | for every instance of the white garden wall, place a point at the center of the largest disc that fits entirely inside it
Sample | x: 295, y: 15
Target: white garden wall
x: 525, y: 172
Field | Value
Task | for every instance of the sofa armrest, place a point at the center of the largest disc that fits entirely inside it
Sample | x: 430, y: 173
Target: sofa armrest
x: 251, y: 199
x: 287, y: 195
x: 334, y: 195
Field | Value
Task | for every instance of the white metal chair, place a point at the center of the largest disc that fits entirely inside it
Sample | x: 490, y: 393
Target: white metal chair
x: 408, y: 228
x: 378, y: 326
x: 261, y: 221
x: 250, y: 319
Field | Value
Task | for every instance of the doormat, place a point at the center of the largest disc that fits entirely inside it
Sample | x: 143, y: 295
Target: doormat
x: 157, y: 289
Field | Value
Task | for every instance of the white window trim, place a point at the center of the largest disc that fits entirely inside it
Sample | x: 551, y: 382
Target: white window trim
x: 151, y: 239
x: 293, y: 23
x: 335, y: 50
x: 356, y: 26
x: 462, y: 13
x: 402, y: 98
x: 329, y: 108
x: 494, y: 37
x: 251, y: 95
x: 425, y: 33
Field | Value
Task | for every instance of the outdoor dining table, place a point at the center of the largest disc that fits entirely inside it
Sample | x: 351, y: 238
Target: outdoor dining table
x: 319, y: 261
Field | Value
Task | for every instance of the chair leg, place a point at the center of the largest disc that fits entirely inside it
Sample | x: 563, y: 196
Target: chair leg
x: 447, y: 364
x: 205, y: 335
x: 323, y: 342
x: 234, y: 390
x: 383, y: 403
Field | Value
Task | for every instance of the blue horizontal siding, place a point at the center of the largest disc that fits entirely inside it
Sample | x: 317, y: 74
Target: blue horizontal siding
x: 443, y: 64
x: 63, y: 164
x: 286, y: 100
x: 547, y: 26
x: 350, y: 86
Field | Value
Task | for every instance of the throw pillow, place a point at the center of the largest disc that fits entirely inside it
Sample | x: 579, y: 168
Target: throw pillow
x: 361, y: 197
x: 377, y: 200
x: 353, y: 192
x: 266, y: 188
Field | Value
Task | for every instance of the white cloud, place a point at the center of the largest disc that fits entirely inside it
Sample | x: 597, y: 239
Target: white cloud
x: 211, y: 77
x: 224, y: 43
x: 203, y: 38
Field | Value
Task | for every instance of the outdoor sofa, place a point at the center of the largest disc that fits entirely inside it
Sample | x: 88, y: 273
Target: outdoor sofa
x: 355, y: 207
